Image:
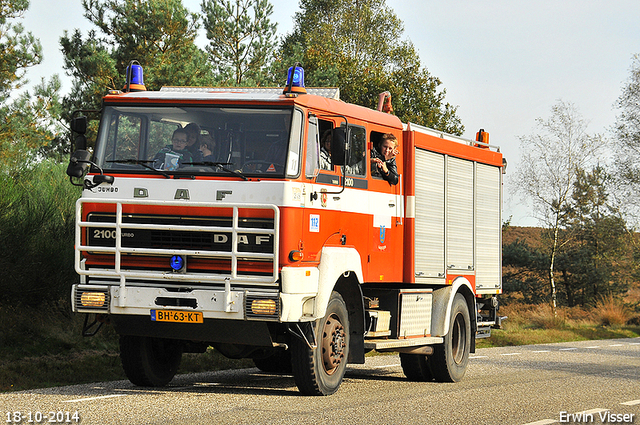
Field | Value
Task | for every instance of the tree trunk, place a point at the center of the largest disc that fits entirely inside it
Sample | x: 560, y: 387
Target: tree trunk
x: 552, y: 282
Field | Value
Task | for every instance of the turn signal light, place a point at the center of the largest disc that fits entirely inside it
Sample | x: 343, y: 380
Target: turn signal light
x: 296, y: 255
x: 93, y: 299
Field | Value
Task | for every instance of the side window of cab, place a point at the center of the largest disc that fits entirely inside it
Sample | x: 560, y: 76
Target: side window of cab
x: 357, y: 154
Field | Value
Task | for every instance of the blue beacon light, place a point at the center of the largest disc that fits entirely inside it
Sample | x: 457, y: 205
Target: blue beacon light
x: 295, y: 80
x: 134, y: 78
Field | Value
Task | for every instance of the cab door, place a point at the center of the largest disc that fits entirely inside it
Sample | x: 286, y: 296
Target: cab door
x: 386, y: 231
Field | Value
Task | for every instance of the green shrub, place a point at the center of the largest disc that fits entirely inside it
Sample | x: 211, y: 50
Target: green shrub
x: 37, y: 208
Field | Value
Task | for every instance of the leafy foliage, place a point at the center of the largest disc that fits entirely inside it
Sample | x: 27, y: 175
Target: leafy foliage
x: 357, y: 47
x: 627, y: 141
x: 546, y: 174
x: 596, y: 259
x: 19, y: 50
x: 159, y: 34
x: 29, y: 126
x: 241, y: 39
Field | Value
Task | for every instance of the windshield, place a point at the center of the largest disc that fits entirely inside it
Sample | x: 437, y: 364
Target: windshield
x: 200, y: 140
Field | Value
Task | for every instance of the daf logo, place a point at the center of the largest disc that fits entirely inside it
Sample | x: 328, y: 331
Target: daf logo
x: 182, y: 194
x: 243, y: 239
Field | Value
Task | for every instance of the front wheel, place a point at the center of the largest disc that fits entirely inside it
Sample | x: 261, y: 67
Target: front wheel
x: 149, y: 362
x: 320, y: 371
x: 449, y: 360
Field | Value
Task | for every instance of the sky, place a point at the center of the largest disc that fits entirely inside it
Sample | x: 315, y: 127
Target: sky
x: 503, y: 63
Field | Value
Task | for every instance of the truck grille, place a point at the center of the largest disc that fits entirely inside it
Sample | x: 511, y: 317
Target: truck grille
x: 128, y: 239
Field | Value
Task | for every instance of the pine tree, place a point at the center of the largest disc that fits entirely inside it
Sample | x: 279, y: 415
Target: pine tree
x: 241, y: 39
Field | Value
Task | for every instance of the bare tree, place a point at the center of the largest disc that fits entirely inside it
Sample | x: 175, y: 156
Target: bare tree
x: 550, y: 159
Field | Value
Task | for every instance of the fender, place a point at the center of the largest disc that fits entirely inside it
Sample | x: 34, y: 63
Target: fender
x: 334, y: 261
x: 443, y: 301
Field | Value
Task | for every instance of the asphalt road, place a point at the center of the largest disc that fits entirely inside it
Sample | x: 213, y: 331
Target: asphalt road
x: 535, y: 384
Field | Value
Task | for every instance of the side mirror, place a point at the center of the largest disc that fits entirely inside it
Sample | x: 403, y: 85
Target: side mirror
x: 339, y: 146
x: 79, y: 124
x: 79, y: 163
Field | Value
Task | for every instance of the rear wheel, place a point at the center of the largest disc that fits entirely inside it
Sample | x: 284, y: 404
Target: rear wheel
x: 449, y: 360
x: 320, y: 371
x: 149, y: 362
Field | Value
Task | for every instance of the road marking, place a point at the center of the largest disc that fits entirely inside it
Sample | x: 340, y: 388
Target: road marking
x: 593, y: 346
x: 615, y: 345
x: 94, y: 398
x: 542, y: 351
x: 634, y: 343
x: 568, y: 349
x: 543, y: 422
x: 385, y: 366
x: 510, y: 354
x: 631, y: 403
x: 478, y: 357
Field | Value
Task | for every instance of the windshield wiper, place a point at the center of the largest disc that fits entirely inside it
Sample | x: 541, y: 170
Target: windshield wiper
x: 220, y: 166
x: 143, y: 162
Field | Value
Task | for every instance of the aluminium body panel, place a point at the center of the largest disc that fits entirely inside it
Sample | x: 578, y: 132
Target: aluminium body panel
x: 457, y: 216
x: 488, y: 229
x: 430, y: 213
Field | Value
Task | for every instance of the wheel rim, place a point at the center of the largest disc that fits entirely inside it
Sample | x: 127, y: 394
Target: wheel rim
x: 333, y: 344
x: 458, y: 339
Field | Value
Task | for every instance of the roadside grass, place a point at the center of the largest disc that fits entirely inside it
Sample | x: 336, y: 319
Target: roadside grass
x: 43, y: 347
x: 536, y: 324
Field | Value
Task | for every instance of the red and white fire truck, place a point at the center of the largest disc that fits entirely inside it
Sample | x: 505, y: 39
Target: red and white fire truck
x: 257, y: 251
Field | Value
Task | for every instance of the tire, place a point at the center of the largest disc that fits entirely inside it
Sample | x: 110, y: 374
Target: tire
x: 449, y: 360
x: 416, y: 367
x: 320, y: 371
x: 278, y: 362
x: 149, y: 362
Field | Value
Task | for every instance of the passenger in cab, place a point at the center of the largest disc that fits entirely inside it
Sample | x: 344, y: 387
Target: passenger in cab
x: 383, y: 161
x: 207, y: 145
x: 172, y: 156
x: 193, y: 140
x: 325, y: 150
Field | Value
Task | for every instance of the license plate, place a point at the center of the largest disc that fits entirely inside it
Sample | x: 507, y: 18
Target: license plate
x: 176, y: 316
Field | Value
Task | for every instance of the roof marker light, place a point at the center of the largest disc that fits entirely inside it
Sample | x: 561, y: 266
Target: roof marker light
x: 134, y: 80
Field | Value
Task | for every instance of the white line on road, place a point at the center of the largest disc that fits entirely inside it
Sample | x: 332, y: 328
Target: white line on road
x: 631, y: 403
x: 541, y: 351
x: 385, y: 366
x: 593, y: 346
x: 615, y: 345
x: 510, y: 354
x: 94, y: 398
x: 478, y: 357
x: 568, y: 349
